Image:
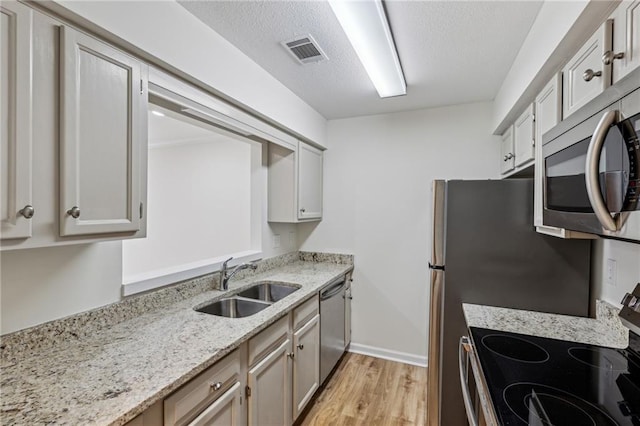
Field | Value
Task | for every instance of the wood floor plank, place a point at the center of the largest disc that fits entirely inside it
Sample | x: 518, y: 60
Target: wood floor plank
x: 370, y: 391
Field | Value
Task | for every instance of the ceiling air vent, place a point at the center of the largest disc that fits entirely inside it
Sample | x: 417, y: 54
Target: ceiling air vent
x: 305, y: 49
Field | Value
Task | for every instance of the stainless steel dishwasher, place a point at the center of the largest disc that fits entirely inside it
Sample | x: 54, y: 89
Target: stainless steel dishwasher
x: 332, y: 325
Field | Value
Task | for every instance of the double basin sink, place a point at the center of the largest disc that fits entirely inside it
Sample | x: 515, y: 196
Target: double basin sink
x: 249, y: 301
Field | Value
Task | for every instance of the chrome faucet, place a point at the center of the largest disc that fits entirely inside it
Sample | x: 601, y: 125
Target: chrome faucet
x: 225, y: 275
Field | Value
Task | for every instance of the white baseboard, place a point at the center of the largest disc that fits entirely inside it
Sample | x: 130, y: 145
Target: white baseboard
x: 405, y: 358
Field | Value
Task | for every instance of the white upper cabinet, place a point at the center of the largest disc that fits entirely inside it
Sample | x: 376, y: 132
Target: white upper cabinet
x: 295, y: 183
x: 523, y: 137
x: 625, y: 55
x: 16, y: 204
x: 548, y: 105
x: 309, y: 182
x: 102, y: 134
x: 506, y: 151
x: 585, y: 75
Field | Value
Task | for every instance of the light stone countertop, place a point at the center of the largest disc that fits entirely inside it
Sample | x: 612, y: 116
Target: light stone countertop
x: 605, y: 330
x: 111, y: 375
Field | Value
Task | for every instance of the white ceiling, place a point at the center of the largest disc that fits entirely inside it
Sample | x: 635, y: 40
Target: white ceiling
x: 451, y: 52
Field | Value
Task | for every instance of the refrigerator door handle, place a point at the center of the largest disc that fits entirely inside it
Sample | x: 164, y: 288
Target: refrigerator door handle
x: 436, y: 267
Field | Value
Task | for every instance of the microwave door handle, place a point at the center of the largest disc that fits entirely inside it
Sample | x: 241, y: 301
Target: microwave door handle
x: 592, y: 171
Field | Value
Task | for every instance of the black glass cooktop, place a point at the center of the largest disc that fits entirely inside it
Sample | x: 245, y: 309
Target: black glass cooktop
x: 545, y: 382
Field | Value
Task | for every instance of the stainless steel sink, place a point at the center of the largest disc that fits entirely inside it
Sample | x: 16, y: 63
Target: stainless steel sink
x: 233, y: 307
x: 268, y: 291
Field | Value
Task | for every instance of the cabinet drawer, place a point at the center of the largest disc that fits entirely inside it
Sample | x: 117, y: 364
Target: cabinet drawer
x: 260, y: 345
x: 305, y: 311
x: 187, y: 402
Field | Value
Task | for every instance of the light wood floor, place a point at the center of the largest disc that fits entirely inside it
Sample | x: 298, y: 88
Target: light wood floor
x: 371, y: 391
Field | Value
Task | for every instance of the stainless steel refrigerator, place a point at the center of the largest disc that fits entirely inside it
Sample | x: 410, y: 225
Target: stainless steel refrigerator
x: 485, y: 250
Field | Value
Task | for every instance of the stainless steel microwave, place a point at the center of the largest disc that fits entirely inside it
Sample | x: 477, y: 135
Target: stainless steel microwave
x: 592, y: 166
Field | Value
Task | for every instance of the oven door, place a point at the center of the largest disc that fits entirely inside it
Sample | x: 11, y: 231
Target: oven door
x: 592, y: 178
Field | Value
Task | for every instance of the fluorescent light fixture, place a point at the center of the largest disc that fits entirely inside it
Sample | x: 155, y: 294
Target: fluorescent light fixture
x: 367, y: 28
x: 158, y: 113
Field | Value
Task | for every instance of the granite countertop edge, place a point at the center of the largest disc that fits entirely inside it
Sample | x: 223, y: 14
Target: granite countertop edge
x: 34, y: 383
x: 604, y: 330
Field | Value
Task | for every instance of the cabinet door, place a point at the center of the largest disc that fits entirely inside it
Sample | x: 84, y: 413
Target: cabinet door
x: 626, y: 38
x: 306, y: 364
x: 103, y: 103
x: 309, y: 182
x: 523, y: 137
x: 347, y: 315
x: 506, y: 151
x: 548, y: 106
x: 269, y: 381
x: 225, y: 411
x: 585, y: 76
x: 15, y: 127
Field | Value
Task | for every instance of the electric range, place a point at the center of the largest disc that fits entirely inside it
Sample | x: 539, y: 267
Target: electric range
x: 541, y: 381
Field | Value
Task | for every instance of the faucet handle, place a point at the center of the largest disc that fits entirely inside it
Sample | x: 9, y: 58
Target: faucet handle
x: 224, y: 264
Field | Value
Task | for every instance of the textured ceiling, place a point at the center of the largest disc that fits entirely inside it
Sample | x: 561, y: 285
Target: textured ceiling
x: 451, y: 51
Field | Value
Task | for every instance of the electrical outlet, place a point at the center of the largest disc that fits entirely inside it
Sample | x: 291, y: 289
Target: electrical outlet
x: 276, y: 241
x: 611, y: 272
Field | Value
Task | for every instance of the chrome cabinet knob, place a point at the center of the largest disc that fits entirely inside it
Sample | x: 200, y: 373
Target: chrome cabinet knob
x: 74, y: 212
x: 215, y: 386
x: 609, y: 57
x: 300, y: 346
x: 27, y: 211
x: 291, y: 355
x: 589, y: 74
x: 302, y: 210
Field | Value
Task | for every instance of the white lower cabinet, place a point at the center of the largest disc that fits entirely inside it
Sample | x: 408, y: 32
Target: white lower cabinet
x: 225, y: 411
x: 212, y: 398
x: 306, y: 364
x: 269, y: 395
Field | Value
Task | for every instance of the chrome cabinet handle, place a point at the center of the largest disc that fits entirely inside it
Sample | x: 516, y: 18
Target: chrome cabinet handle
x: 589, y: 74
x: 74, y: 212
x: 291, y: 355
x: 300, y: 346
x: 609, y: 57
x: 591, y: 171
x: 27, y: 211
x: 463, y: 364
x: 215, y: 386
x: 509, y: 156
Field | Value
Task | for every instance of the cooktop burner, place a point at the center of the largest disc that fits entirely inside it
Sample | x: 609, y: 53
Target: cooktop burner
x: 537, y: 404
x: 549, y: 382
x: 515, y: 348
x: 604, y: 358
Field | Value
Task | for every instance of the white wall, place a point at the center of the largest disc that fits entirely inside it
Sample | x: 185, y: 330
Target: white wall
x: 168, y: 32
x: 627, y: 269
x: 377, y: 205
